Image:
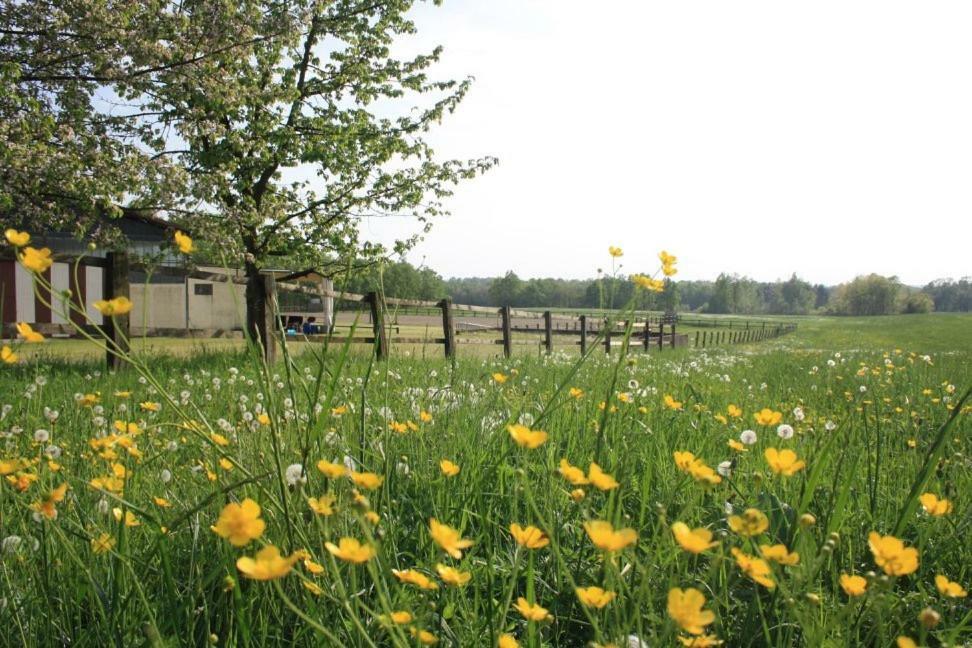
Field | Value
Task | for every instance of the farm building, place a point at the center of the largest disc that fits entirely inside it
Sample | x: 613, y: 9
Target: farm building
x: 168, y: 298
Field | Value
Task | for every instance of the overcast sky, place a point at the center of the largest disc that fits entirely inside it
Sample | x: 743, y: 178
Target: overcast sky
x: 826, y: 138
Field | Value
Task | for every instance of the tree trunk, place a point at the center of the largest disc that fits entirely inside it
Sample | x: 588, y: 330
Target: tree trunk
x: 256, y: 306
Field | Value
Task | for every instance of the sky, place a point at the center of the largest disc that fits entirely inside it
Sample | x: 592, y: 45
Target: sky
x: 825, y: 138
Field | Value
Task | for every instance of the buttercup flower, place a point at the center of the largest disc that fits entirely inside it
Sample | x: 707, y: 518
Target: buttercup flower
x: 692, y: 540
x: 37, y: 261
x: 452, y: 576
x: 853, y: 585
x: 240, y: 523
x: 268, y: 564
x: 949, y: 588
x: 25, y: 331
x: 448, y: 468
x: 615, y: 251
x: 935, y: 506
x: 594, y: 597
x: 416, y: 578
x: 350, y: 550
x: 755, y: 568
x: 751, y: 523
x: 778, y: 553
x: 768, y: 417
x: 784, y: 462
x: 113, y: 307
x: 573, y: 474
x: 891, y: 555
x: 531, y: 612
x: 530, y: 537
x: 685, y: 607
x: 605, y: 538
x: 448, y: 538
x: 525, y: 437
x: 17, y: 239
x: 601, y: 479
x: 184, y: 243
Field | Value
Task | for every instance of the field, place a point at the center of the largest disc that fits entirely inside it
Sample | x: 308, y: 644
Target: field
x: 148, y: 544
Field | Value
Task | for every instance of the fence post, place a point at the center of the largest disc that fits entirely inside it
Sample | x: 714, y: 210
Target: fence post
x: 448, y: 329
x: 647, y: 334
x: 696, y: 339
x: 548, y: 331
x: 583, y: 332
x: 607, y: 336
x: 661, y: 333
x: 507, y: 333
x: 378, y: 325
x: 115, y: 284
x: 673, y: 335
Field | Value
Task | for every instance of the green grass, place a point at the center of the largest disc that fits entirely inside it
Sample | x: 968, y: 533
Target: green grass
x: 182, y: 586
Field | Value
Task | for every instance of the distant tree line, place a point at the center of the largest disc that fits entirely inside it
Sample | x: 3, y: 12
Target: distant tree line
x: 729, y: 294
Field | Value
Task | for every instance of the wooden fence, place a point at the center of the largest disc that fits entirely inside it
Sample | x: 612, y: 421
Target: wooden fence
x: 588, y: 329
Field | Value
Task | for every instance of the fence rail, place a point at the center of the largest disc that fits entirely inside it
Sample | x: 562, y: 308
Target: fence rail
x: 590, y: 329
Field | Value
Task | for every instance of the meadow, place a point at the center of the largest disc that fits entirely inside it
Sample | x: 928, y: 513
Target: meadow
x: 810, y: 490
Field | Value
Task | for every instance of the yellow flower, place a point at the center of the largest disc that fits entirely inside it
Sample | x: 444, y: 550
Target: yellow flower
x: 25, y: 331
x: 685, y: 607
x: 8, y: 356
x: 601, y: 479
x: 531, y: 612
x: 399, y: 428
x: 525, y: 437
x: 767, y: 416
x: 507, y: 641
x: 424, y: 637
x: 666, y: 258
x: 149, y: 406
x: 161, y: 502
x: 448, y: 468
x: 905, y: 642
x: 671, y: 403
x: 323, y: 505
x: 734, y: 412
x: 577, y: 494
x: 722, y: 419
x: 332, y: 470
x: 935, y: 506
x: 751, y: 523
x: 530, y: 537
x: 416, y: 578
x: 755, y: 568
x: 184, y: 243
x: 425, y: 417
x: 350, y: 550
x: 313, y: 567
x: 17, y: 239
x: 89, y: 400
x: 112, y: 307
x: 575, y: 392
x: 615, y: 252
x: 452, y: 576
x: 129, y: 517
x: 368, y: 480
x: 778, y: 553
x: 692, y: 540
x: 853, y: 585
x: 401, y: 617
x: 240, y: 523
x: 263, y: 418
x: 10, y: 466
x: 448, y: 538
x: 648, y: 283
x: 36, y: 260
x: 891, y: 555
x: 949, y: 588
x: 703, y: 473
x: 500, y: 378
x: 48, y: 506
x: 594, y: 597
x: 784, y: 462
x: 738, y: 446
x: 268, y: 564
x: 684, y: 460
x: 372, y: 517
x: 339, y: 410
x: 605, y: 538
x: 102, y: 544
x: 573, y: 474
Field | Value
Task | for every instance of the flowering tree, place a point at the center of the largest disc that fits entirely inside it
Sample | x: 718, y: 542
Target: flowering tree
x: 269, y: 129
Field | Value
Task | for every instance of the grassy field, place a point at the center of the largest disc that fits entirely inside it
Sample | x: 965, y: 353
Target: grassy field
x: 148, y: 544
